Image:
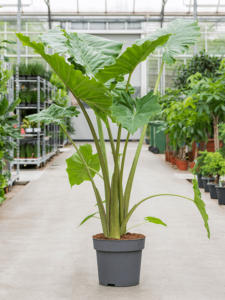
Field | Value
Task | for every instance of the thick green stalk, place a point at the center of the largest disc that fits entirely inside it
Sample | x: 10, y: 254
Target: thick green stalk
x: 102, y: 140
x: 98, y: 197
x: 123, y: 227
x: 137, y: 154
x: 100, y: 155
x: 111, y: 141
x: 114, y: 231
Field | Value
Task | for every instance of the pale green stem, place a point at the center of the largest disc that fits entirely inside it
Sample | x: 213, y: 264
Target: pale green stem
x: 137, y: 154
x: 136, y: 225
x: 114, y: 231
x: 98, y: 197
x: 102, y: 140
x: 111, y: 141
x: 136, y: 205
x: 100, y: 155
x: 128, y: 82
x: 95, y: 172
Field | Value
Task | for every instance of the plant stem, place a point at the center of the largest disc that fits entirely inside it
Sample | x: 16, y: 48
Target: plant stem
x: 136, y: 225
x: 136, y: 205
x: 102, y: 140
x: 100, y: 155
x: 136, y: 157
x: 111, y: 141
x: 95, y: 172
x: 128, y: 82
x: 114, y: 231
x: 98, y: 197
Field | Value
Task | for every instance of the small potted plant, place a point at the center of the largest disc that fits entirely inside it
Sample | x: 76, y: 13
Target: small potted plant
x: 207, y: 175
x: 118, y: 251
x: 199, y: 163
x: 213, y: 164
x: 22, y: 151
x: 29, y: 151
x: 28, y: 125
x: 36, y: 129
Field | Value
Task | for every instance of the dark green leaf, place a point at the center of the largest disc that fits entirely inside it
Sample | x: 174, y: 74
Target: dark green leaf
x: 3, y: 105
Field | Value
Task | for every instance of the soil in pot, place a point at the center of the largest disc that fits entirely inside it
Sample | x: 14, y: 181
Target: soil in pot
x: 183, y: 165
x: 205, y: 181
x: 119, y: 261
x: 221, y: 194
x: 212, y: 189
x: 200, y: 182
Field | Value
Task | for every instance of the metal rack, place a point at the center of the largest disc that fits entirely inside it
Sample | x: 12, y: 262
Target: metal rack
x: 40, y: 137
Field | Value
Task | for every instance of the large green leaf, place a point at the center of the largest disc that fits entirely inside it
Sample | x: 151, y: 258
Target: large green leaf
x: 13, y: 105
x: 90, y: 52
x: 94, y: 93
x: 200, y: 205
x: 183, y: 33
x: 128, y: 61
x: 133, y: 114
x: 118, y: 87
x: 76, y: 169
x: 54, y: 114
x: 3, y: 105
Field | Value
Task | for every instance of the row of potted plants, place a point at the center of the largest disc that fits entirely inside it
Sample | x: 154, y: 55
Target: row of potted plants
x: 181, y: 164
x: 29, y: 97
x: 210, y: 170
x: 29, y: 150
x: 32, y: 70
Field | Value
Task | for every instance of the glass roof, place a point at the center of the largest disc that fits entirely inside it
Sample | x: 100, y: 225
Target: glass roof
x: 172, y: 7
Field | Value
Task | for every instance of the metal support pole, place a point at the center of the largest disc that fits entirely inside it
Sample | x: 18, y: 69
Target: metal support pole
x: 18, y: 30
x: 38, y: 134
x: 44, y: 133
x: 195, y: 18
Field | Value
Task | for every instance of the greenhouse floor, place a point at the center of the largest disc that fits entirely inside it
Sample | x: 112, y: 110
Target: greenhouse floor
x: 45, y: 256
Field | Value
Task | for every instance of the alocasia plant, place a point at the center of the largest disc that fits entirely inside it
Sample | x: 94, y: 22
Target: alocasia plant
x: 94, y: 74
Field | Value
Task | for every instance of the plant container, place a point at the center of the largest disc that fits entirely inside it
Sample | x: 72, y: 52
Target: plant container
x: 221, y: 194
x: 147, y: 141
x: 29, y: 130
x: 205, y: 181
x: 173, y: 160
x: 192, y: 164
x: 37, y: 129
x: 22, y: 104
x: 177, y: 160
x: 212, y: 190
x: 200, y: 182
x: 166, y: 155
x: 170, y: 154
x: 119, y: 261
x: 183, y: 165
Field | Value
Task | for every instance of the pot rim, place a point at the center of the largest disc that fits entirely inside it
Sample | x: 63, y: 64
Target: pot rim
x: 220, y: 187
x: 208, y: 178
x: 117, y: 240
x: 211, y: 183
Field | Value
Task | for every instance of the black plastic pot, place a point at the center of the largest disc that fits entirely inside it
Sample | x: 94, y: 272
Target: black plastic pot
x: 205, y: 181
x: 200, y: 182
x: 119, y: 261
x: 221, y: 194
x: 150, y: 148
x: 212, y: 190
x: 147, y: 141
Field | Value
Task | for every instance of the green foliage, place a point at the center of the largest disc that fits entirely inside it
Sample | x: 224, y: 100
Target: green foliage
x: 201, y: 63
x: 200, y: 205
x: 94, y: 73
x: 56, y: 81
x: 4, y: 77
x: 181, y: 34
x: 133, y: 114
x: 199, y: 164
x: 76, y: 169
x: 128, y: 61
x: 154, y: 220
x: 214, y: 164
x: 54, y: 114
x: 6, y: 59
x: 87, y: 218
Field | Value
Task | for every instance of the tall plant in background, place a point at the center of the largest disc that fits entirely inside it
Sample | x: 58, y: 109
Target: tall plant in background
x: 6, y: 130
x: 92, y: 73
x: 2, y: 46
x: 208, y: 95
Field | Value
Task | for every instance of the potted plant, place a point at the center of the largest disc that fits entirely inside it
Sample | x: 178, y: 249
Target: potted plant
x: 214, y: 164
x: 27, y: 125
x: 22, y: 151
x: 36, y: 129
x: 29, y: 151
x: 118, y: 252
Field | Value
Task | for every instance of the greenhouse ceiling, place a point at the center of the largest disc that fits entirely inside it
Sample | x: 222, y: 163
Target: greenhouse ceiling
x: 150, y: 10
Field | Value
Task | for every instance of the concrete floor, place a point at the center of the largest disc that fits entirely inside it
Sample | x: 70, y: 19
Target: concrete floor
x: 45, y: 256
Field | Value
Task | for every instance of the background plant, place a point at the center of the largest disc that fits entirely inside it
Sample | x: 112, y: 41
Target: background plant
x: 95, y: 69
